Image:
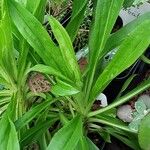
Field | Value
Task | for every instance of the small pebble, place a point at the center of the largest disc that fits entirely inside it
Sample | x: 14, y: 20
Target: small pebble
x: 124, y: 113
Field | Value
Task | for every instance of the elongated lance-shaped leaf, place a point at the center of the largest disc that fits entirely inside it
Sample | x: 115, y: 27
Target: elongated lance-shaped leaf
x: 105, y: 15
x: 33, y: 133
x: 32, y: 113
x: 78, y: 10
x: 125, y: 85
x: 86, y: 144
x: 129, y: 51
x: 66, y: 48
x: 8, y: 134
x: 118, y: 37
x: 37, y: 7
x: 68, y: 136
x: 64, y: 89
x: 47, y: 70
x: 22, y: 2
x: 7, y: 58
x: 32, y: 30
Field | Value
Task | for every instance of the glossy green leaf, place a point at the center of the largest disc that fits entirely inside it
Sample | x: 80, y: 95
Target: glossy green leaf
x: 68, y: 136
x: 128, y: 52
x: 144, y: 133
x: 92, y: 146
x: 82, y: 144
x: 78, y: 10
x: 118, y: 37
x: 32, y: 113
x: 32, y: 30
x: 86, y: 144
x: 8, y: 134
x: 125, y: 85
x: 37, y: 7
x: 66, y: 48
x: 105, y: 15
x: 22, y: 61
x: 63, y: 89
x: 22, y: 2
x: 5, y: 93
x: 47, y: 70
x: 7, y: 58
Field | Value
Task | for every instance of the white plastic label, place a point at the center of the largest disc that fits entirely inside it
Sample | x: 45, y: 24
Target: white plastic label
x: 134, y: 12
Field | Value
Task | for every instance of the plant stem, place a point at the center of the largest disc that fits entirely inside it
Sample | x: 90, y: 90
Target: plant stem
x: 71, y: 110
x: 123, y: 99
x: 125, y: 128
x: 145, y: 59
x: 42, y: 142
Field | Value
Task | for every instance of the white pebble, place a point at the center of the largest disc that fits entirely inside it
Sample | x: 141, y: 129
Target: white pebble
x: 124, y: 113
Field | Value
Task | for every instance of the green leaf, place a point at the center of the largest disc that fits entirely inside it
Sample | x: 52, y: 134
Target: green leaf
x: 7, y: 58
x: 22, y: 2
x: 82, y: 144
x: 105, y: 135
x: 92, y: 146
x: 34, y: 133
x: 86, y: 144
x: 128, y: 52
x: 66, y: 48
x: 144, y: 133
x: 118, y: 37
x: 78, y: 10
x: 47, y: 70
x: 125, y: 85
x: 32, y: 113
x: 8, y: 134
x: 37, y: 8
x: 111, y: 112
x: 63, y: 89
x: 32, y: 30
x: 68, y: 136
x: 5, y: 93
x: 106, y: 13
x: 128, y: 3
